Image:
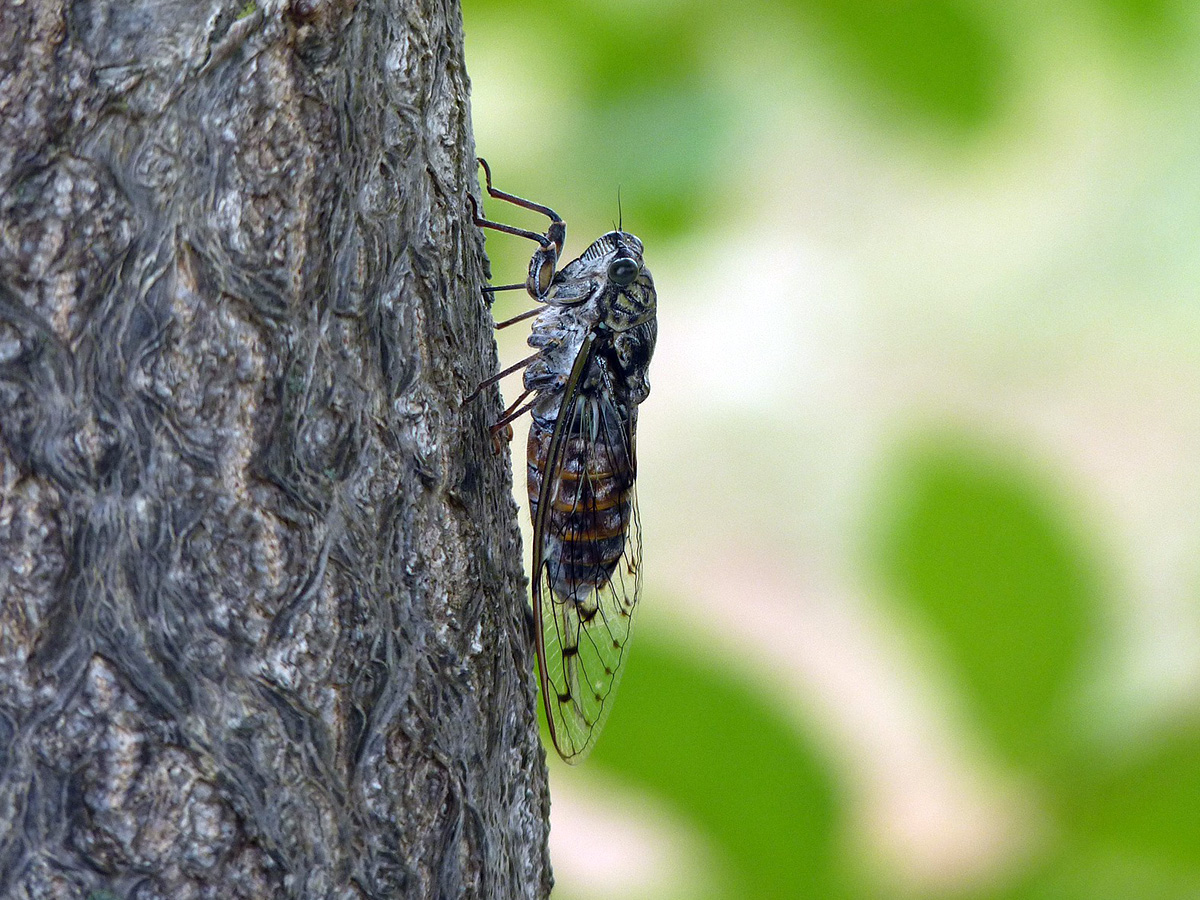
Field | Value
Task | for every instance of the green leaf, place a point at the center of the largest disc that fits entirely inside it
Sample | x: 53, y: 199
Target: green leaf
x: 1081, y: 874
x: 985, y: 551
x: 710, y: 748
x: 1125, y: 827
x: 1144, y: 809
x: 937, y: 61
x: 662, y: 149
x: 1152, y: 25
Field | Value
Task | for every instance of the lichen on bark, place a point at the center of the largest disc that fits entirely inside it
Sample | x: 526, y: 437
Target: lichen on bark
x: 262, y: 625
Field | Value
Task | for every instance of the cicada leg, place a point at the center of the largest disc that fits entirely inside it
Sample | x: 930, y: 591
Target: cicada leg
x: 512, y: 412
x: 543, y: 239
x: 490, y: 289
x: 490, y: 381
x: 522, y: 317
x: 556, y: 232
x: 542, y: 269
x: 544, y: 262
x: 501, y: 435
x: 504, y: 425
x: 502, y: 430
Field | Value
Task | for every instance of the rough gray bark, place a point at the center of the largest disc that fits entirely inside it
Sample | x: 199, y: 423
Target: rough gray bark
x: 261, y: 607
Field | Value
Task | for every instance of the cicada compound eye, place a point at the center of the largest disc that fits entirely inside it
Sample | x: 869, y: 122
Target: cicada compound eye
x: 623, y: 271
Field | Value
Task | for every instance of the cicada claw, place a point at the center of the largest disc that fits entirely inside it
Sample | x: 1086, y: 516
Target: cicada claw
x: 502, y: 434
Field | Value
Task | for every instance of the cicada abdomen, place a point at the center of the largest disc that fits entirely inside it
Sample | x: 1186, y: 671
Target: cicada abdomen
x: 593, y: 340
x: 590, y: 506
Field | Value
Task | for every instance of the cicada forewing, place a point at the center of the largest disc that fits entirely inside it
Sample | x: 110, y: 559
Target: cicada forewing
x: 587, y: 564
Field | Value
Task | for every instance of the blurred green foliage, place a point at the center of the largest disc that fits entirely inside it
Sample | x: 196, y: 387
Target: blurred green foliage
x: 978, y: 547
x: 1145, y: 24
x: 651, y: 112
x: 927, y: 62
x: 1140, y: 809
x: 975, y: 544
x: 689, y: 733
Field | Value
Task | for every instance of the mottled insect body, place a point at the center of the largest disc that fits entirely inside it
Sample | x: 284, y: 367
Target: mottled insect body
x: 593, y: 341
x: 591, y: 507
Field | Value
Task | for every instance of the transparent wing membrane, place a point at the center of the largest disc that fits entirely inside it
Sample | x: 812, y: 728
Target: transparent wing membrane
x: 588, y: 572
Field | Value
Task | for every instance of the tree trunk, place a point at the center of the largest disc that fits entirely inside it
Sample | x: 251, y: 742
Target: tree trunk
x: 262, y: 616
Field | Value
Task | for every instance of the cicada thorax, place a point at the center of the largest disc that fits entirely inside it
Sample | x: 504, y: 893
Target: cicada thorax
x: 590, y: 500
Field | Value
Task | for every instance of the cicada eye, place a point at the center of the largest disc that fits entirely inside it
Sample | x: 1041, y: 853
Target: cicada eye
x: 623, y: 271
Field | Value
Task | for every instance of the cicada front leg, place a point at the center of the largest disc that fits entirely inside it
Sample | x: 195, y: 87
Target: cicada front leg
x: 544, y: 262
x: 543, y: 266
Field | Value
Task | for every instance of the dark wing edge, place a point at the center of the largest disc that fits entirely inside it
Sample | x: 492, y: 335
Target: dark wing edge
x: 581, y: 641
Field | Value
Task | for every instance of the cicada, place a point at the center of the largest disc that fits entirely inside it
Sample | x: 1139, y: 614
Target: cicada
x: 593, y: 337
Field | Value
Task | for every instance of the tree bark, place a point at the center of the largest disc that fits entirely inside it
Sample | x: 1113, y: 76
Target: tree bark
x: 262, y: 616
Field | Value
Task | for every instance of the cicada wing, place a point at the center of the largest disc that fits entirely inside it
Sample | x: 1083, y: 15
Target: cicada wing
x: 587, y: 569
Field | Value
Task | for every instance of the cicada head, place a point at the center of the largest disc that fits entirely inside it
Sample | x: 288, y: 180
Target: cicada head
x: 618, y: 280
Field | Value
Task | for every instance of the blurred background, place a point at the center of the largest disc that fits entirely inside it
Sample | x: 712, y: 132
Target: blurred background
x: 918, y: 474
